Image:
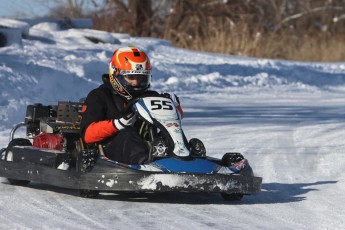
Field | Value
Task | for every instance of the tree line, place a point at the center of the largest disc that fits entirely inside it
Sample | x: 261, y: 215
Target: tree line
x: 308, y: 30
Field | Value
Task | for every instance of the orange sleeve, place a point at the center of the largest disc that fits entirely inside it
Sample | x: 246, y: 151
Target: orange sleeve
x: 98, y: 131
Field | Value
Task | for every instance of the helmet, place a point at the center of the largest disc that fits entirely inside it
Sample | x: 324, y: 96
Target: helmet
x: 128, y: 64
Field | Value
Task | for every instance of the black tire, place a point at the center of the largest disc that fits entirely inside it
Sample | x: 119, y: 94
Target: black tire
x: 227, y: 160
x: 230, y: 158
x: 88, y: 193
x: 9, y: 157
x: 232, y: 196
x: 197, y: 147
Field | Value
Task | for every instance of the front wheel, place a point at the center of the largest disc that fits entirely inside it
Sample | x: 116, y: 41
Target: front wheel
x: 230, y: 159
x: 9, y: 157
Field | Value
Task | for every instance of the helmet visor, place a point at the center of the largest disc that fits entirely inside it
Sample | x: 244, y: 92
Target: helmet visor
x: 134, y: 82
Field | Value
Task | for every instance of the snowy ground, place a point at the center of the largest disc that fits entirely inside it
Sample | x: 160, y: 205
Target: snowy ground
x: 288, y: 118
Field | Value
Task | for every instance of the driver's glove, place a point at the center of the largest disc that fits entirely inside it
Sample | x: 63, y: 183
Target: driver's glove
x: 125, y: 121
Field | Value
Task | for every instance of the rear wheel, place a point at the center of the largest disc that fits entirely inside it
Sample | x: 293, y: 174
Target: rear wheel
x: 9, y: 157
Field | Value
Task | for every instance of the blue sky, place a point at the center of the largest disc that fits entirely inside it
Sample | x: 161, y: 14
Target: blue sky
x: 28, y: 8
x: 23, y: 8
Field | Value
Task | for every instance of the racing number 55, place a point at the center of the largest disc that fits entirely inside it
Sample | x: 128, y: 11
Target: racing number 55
x: 158, y: 104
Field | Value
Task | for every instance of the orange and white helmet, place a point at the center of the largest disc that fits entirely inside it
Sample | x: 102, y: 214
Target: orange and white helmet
x: 127, y: 63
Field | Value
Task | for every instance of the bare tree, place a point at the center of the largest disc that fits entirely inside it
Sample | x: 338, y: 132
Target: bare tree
x: 251, y: 27
x: 64, y: 8
x: 141, y: 11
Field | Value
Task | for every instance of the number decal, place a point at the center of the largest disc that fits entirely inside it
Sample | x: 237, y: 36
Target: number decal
x: 158, y: 104
x: 167, y: 105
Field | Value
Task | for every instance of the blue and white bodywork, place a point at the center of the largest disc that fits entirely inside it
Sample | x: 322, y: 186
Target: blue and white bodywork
x: 161, y: 112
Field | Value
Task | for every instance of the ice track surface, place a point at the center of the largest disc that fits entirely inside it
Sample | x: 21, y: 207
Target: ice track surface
x: 300, y: 161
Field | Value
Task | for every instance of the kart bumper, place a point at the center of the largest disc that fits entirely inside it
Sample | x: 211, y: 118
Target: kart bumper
x: 110, y: 178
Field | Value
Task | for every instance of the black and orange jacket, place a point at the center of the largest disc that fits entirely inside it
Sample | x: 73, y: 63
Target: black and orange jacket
x: 101, y: 107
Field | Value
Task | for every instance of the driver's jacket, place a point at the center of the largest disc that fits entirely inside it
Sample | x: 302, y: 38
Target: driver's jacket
x: 101, y: 107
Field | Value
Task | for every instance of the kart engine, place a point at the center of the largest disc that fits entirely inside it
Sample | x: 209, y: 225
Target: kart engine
x: 54, y: 126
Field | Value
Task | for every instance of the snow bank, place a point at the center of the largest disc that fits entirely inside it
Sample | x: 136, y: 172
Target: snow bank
x: 53, y: 61
x: 81, y: 23
x: 93, y: 36
x: 15, y: 24
x: 12, y: 31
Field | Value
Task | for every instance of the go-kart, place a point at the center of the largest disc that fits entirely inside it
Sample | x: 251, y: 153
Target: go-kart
x: 53, y: 153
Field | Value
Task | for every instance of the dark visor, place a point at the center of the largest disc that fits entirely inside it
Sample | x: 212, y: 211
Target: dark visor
x: 143, y: 81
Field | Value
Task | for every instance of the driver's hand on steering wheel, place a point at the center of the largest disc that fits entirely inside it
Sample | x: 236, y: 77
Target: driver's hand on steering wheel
x: 125, y: 121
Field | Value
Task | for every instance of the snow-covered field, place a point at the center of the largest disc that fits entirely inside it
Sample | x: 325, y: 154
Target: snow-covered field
x: 287, y: 118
